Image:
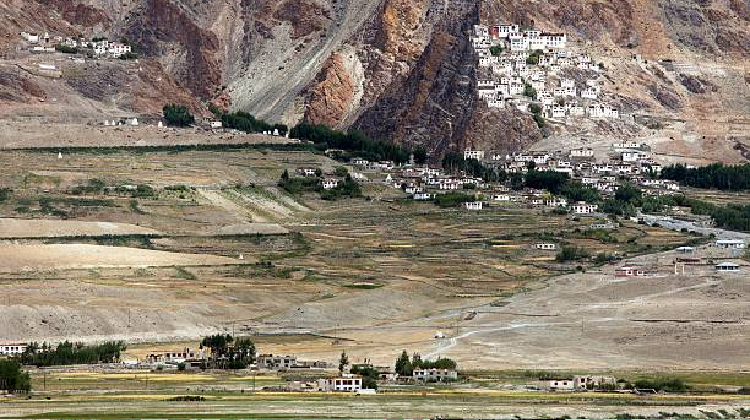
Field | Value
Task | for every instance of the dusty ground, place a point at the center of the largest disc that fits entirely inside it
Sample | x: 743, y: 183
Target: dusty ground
x: 382, y: 275
x: 17, y: 228
x: 33, y: 132
x: 75, y: 256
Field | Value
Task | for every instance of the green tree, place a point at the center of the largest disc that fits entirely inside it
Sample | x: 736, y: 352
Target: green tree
x: 178, y: 115
x: 403, y: 365
x: 529, y: 91
x: 341, y: 171
x: 343, y: 362
x: 12, y: 378
x: 496, y: 50
x: 420, y: 155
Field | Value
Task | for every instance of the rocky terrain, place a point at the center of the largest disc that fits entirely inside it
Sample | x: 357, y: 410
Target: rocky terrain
x: 402, y: 70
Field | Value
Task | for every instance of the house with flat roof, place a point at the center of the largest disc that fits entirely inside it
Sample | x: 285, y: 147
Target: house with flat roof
x: 727, y: 267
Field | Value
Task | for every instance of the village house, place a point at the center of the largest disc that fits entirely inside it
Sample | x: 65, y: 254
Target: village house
x: 727, y: 266
x: 421, y: 196
x: 180, y: 356
x: 562, y: 385
x: 582, y: 153
x: 13, y: 349
x: 474, y: 154
x: 730, y: 244
x: 556, y: 202
x: 474, y: 205
x: 330, y: 183
x: 630, y: 271
x: 593, y: 382
x: 581, y: 207
x: 271, y: 362
x: 546, y: 246
x: 345, y: 383
x: 435, y: 375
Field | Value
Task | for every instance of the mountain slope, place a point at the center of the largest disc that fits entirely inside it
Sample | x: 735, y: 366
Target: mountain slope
x: 402, y: 70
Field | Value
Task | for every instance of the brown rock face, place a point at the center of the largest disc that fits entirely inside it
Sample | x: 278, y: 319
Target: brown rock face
x: 161, y: 27
x: 500, y: 130
x: 305, y: 16
x: 79, y: 13
x: 331, y: 97
x: 400, y: 29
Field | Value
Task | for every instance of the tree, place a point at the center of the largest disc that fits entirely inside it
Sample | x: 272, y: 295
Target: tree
x: 403, y: 365
x: 178, y: 115
x: 341, y: 171
x: 343, y: 362
x: 496, y: 50
x: 530, y: 92
x: 629, y: 193
x: 420, y: 155
x: 12, y: 378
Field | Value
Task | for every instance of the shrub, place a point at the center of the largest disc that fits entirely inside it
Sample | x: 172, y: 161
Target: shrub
x: 570, y: 253
x: 178, y: 115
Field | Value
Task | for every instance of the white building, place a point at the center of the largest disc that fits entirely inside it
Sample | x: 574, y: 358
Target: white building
x: 727, y: 267
x: 12, y: 349
x: 562, y: 385
x: 474, y: 205
x: 582, y: 153
x: 474, y: 154
x: 602, y: 111
x: 346, y: 383
x: 582, y: 207
x: 330, y: 183
x: 730, y: 244
x: 435, y: 375
x: 546, y: 247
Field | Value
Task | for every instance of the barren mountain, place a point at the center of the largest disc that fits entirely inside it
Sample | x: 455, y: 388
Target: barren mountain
x: 403, y: 70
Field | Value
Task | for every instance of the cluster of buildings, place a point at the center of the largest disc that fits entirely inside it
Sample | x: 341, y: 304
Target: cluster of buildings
x: 98, y: 47
x: 582, y: 383
x: 626, y: 162
x: 524, y: 67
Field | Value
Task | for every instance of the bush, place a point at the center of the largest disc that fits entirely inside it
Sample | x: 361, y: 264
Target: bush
x: 570, y: 253
x: 12, y: 378
x: 178, y: 115
x: 452, y: 199
x: 248, y: 123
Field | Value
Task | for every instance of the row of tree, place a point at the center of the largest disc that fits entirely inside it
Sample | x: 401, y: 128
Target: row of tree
x: 454, y: 162
x: 714, y: 176
x: 228, y: 353
x: 248, y: 123
x: 68, y: 353
x: 351, y: 141
x: 405, y: 366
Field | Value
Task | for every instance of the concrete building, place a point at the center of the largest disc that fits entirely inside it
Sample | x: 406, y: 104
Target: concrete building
x: 582, y: 207
x: 474, y: 205
x: 546, y: 247
x: 730, y: 244
x: 435, y: 375
x: 630, y: 271
x: 12, y: 349
x: 562, y: 385
x: 727, y: 266
x: 269, y: 361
